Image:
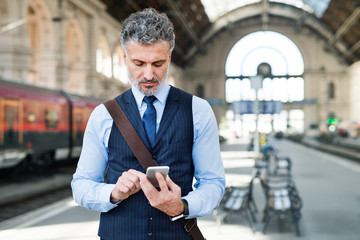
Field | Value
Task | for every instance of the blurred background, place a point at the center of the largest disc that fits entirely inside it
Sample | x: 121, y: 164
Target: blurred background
x: 271, y: 69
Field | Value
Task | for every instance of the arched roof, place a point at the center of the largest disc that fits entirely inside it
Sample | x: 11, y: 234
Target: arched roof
x: 198, y: 21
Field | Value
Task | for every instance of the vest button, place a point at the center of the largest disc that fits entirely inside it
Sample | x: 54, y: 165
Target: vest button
x: 149, y: 233
x: 150, y: 218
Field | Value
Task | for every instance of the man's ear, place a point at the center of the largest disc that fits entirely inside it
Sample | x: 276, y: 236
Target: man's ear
x: 124, y: 56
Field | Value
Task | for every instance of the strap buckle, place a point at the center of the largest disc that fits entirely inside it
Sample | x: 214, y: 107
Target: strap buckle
x: 190, y: 224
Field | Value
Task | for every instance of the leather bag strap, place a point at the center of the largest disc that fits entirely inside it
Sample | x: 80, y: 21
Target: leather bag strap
x: 143, y: 155
x: 192, y: 228
x: 129, y: 133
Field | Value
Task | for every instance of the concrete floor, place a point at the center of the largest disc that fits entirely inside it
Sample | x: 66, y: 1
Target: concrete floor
x: 327, y: 184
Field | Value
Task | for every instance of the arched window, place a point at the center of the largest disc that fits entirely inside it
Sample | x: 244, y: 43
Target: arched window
x: 119, y: 67
x: 331, y: 90
x: 103, y: 57
x: 74, y: 43
x: 284, y: 84
x: 35, y: 41
x: 75, y: 48
x: 40, y: 30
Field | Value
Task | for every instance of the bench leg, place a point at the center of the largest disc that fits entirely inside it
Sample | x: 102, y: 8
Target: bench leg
x: 253, y: 217
x: 296, y: 224
x: 253, y: 204
x: 266, y: 212
x: 249, y: 219
x: 266, y: 221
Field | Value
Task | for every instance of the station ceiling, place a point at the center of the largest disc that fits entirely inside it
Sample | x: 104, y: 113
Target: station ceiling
x: 198, y: 21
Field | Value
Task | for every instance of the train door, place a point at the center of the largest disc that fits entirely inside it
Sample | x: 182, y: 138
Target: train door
x: 78, y: 117
x: 77, y: 130
x: 11, y: 123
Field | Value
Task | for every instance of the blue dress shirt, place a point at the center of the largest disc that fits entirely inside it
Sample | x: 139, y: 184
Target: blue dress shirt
x: 88, y: 187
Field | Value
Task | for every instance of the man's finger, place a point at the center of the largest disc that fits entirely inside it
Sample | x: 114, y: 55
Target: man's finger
x: 173, y: 187
x: 137, y: 173
x: 151, y: 193
x: 123, y: 189
x: 170, y: 182
x: 162, y: 182
x: 131, y: 184
x: 135, y: 177
x: 146, y: 185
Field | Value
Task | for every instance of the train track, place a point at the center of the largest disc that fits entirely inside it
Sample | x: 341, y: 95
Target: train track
x: 20, y: 207
x: 352, y: 153
x: 33, y: 191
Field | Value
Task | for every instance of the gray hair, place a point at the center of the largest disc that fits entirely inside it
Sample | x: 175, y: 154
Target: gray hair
x: 147, y: 27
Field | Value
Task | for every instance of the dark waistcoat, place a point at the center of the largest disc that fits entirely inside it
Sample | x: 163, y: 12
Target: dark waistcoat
x: 135, y: 218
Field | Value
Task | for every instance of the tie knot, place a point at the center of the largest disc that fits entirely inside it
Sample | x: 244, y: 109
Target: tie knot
x: 149, y: 99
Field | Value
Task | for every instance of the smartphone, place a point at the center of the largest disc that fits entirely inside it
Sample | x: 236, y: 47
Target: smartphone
x: 150, y: 173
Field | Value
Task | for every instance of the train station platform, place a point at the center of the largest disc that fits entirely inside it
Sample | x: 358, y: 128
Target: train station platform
x: 327, y: 184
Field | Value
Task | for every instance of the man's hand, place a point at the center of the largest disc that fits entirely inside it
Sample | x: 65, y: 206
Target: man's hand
x: 168, y: 199
x: 127, y: 184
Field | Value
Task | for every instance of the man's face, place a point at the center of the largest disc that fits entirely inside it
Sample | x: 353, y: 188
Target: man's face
x: 147, y: 65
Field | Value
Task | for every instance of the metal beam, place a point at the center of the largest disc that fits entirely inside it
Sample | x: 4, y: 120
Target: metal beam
x: 134, y: 5
x: 345, y: 26
x: 265, y: 15
x: 174, y: 6
x: 353, y: 49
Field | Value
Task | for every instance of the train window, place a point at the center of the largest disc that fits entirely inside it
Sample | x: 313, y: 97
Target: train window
x: 78, y: 132
x: 331, y: 90
x: 11, y: 118
x: 31, y: 117
x: 51, y: 118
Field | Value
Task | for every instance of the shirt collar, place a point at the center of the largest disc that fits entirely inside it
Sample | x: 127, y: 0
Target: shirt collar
x: 161, y: 94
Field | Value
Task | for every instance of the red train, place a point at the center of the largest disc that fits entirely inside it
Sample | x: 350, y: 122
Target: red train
x: 39, y: 126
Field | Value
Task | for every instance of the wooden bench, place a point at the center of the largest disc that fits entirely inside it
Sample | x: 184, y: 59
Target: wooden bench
x: 276, y: 164
x: 282, y: 198
x: 237, y: 200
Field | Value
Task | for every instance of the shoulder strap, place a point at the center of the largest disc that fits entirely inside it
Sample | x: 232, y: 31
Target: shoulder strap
x: 130, y: 135
x: 143, y: 155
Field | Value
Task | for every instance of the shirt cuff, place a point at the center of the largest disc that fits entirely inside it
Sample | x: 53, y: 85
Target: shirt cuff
x: 191, y: 206
x: 106, y: 194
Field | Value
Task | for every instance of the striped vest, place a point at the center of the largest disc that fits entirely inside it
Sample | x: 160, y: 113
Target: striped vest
x: 135, y: 218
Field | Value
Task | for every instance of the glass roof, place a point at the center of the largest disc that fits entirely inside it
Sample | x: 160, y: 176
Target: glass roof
x: 217, y: 8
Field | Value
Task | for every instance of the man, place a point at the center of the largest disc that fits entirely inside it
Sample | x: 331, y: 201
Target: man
x: 186, y: 140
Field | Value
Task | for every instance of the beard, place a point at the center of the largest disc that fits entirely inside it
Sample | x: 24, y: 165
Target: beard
x: 147, y: 91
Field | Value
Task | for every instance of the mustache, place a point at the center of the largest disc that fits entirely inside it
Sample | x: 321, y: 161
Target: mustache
x: 154, y: 80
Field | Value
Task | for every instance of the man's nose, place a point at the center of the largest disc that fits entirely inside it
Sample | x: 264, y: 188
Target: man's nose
x: 149, y: 72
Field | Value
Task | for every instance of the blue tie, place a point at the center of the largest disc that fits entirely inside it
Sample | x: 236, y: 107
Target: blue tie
x: 149, y: 119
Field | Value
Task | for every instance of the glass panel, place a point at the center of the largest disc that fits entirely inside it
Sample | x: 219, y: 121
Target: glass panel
x: 280, y: 89
x: 270, y: 47
x: 233, y: 90
x: 296, y: 89
x: 217, y: 8
x: 296, y: 121
x: 11, y: 125
x: 51, y: 118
